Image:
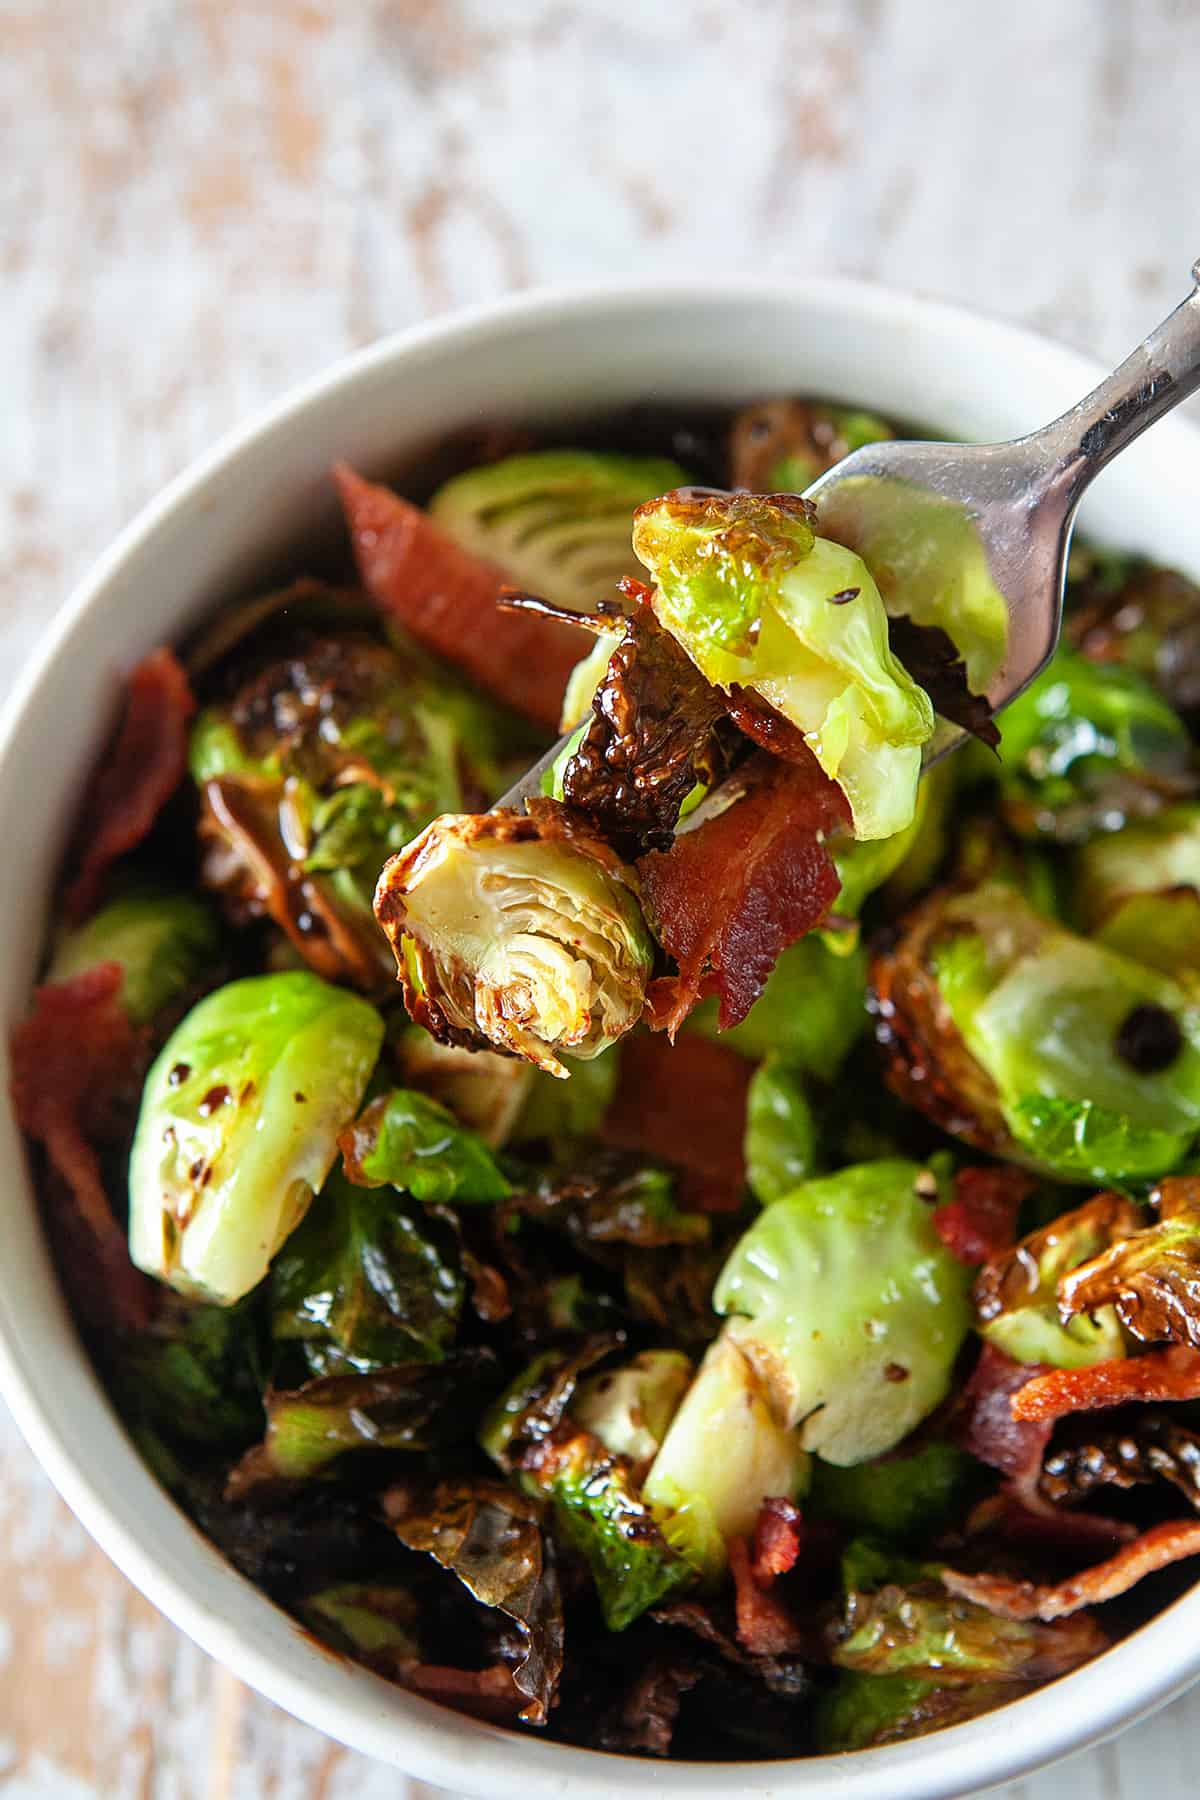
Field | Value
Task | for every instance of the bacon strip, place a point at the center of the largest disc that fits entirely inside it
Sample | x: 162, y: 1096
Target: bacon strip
x: 765, y: 1626
x: 981, y: 1220
x: 446, y: 599
x: 1154, y: 1549
x: 733, y: 893
x: 143, y: 768
x: 687, y: 1105
x: 776, y: 1539
x: 1172, y: 1374
x: 70, y: 1060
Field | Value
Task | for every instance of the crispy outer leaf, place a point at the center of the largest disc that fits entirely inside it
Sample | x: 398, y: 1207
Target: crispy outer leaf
x: 491, y: 1538
x: 403, y: 1139
x: 1151, y: 1277
x: 917, y: 1628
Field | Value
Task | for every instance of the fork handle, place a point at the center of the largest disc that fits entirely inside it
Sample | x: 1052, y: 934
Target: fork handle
x: 1161, y: 372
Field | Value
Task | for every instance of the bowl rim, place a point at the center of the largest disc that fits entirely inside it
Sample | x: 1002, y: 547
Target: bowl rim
x: 1129, y: 1681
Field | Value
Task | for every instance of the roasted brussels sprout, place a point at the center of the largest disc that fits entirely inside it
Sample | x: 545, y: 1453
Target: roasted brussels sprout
x: 630, y: 1407
x: 897, y: 1495
x: 1150, y: 1278
x: 517, y: 931
x: 487, y: 1092
x: 555, y: 521
x: 166, y: 944
x: 1018, y: 1294
x: 1137, y: 891
x: 1086, y: 747
x: 323, y: 764
x: 781, y: 446
x: 238, y: 1127
x: 760, y: 602
x: 1023, y: 1039
x: 781, y: 1133
x: 1147, y: 618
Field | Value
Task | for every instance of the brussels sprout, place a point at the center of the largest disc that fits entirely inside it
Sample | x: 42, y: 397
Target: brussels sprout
x: 238, y: 1127
x: 487, y: 1092
x: 366, y: 1282
x: 196, y: 1376
x: 726, y: 1451
x: 1150, y: 1279
x: 629, y: 1408
x: 1025, y: 1039
x: 811, y: 1011
x: 517, y: 931
x: 1145, y: 617
x: 594, y: 1489
x: 1017, y: 1295
x: 165, y: 943
x: 899, y: 1496
x: 781, y: 446
x: 756, y: 599
x: 555, y: 521
x: 405, y: 1140
x: 1086, y: 747
x: 781, y: 1134
x: 855, y: 1349
x: 864, y: 1711
x: 1137, y: 891
x: 322, y: 765
x: 367, y: 1619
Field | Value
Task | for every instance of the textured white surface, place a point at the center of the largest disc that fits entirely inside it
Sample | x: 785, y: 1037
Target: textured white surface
x: 202, y: 201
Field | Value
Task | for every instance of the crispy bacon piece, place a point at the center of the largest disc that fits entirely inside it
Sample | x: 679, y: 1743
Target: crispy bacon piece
x: 981, y: 1220
x: 765, y: 1626
x: 446, y: 599
x: 73, y: 1059
x: 687, y: 1105
x: 1154, y: 1549
x: 141, y: 771
x: 1172, y: 1374
x: 776, y: 1539
x: 733, y: 893
x: 489, y: 1693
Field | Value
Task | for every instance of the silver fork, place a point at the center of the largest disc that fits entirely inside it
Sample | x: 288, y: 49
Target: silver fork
x: 1013, y: 501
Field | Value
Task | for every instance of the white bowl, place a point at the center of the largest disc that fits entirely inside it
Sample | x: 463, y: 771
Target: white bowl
x: 210, y: 534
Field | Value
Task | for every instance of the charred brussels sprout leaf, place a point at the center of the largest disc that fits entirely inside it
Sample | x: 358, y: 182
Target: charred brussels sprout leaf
x: 898, y: 1496
x: 521, y: 932
x: 781, y: 1134
x: 196, y: 1376
x: 757, y: 600
x: 630, y: 1407
x: 165, y: 944
x: 855, y: 1348
x: 405, y: 1140
x: 1017, y: 1294
x: 864, y: 1711
x: 238, y: 1127
x: 491, y: 1539
x: 811, y: 1011
x: 322, y: 765
x: 556, y: 522
x: 410, y: 1407
x: 1150, y: 1278
x: 1087, y: 746
x: 366, y: 1282
x: 1028, y: 1040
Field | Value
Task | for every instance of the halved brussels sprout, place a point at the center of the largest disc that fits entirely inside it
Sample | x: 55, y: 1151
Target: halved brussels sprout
x: 555, y: 521
x: 781, y: 1133
x: 165, y: 943
x: 238, y: 1127
x: 1024, y: 1039
x: 519, y: 931
x: 757, y: 600
x: 854, y: 1345
x: 1137, y: 891
x: 1088, y: 746
x: 321, y: 765
x: 630, y: 1407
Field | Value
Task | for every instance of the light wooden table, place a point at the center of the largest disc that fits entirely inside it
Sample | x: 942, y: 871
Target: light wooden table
x: 201, y: 202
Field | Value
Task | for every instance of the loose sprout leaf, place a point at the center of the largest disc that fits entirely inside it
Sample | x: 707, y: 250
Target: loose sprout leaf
x: 366, y: 1282
x: 1018, y: 1293
x: 555, y: 521
x: 411, y: 1407
x: 1150, y: 1278
x: 746, y: 587
x: 517, y: 931
x: 864, y: 1711
x: 611, y: 1198
x: 491, y: 1538
x: 445, y: 598
x: 195, y: 1376
x: 368, y: 1619
x: 855, y: 1350
x: 1086, y: 747
x: 164, y: 943
x: 238, y: 1127
x: 781, y: 1133
x: 405, y: 1140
